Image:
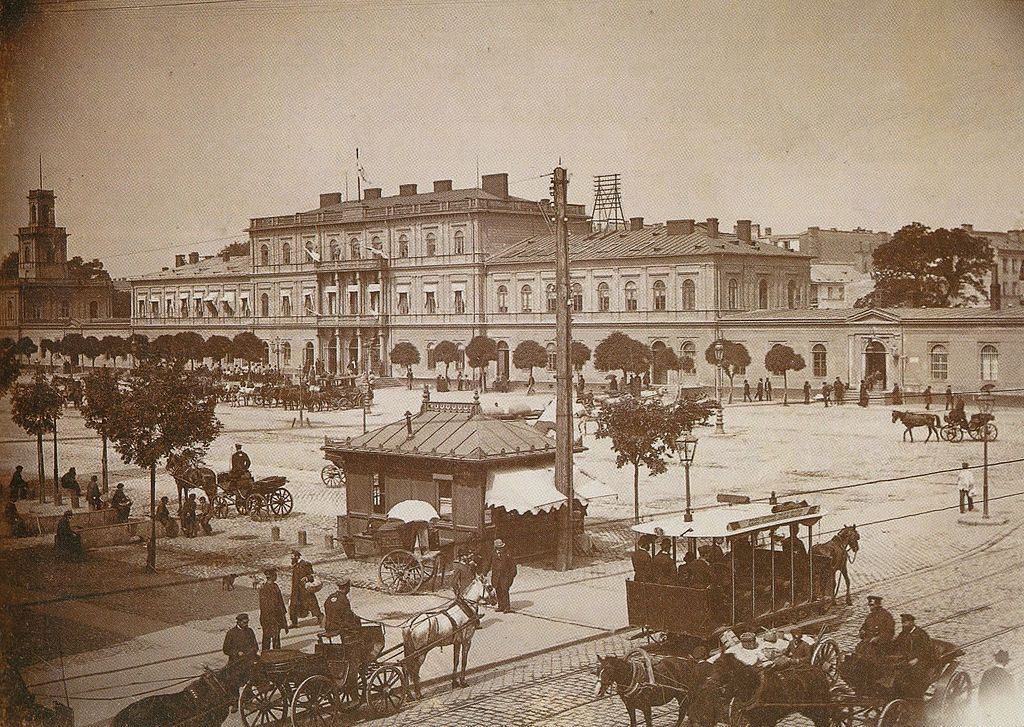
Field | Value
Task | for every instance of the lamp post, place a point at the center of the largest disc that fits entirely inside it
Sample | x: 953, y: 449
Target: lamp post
x: 985, y: 401
x: 687, y: 448
x: 719, y: 354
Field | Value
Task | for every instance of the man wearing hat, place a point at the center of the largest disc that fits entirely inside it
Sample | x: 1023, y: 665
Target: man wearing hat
x: 302, y: 601
x: 997, y: 692
x: 912, y: 649
x: 18, y: 488
x: 240, y: 641
x: 663, y: 565
x: 877, y: 631
x: 642, y: 559
x: 503, y: 572
x: 338, y: 613
x: 273, y: 616
x: 122, y: 503
x: 66, y: 540
x: 240, y: 462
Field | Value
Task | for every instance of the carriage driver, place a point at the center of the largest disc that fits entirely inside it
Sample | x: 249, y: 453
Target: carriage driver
x: 240, y: 462
x: 877, y: 631
x: 340, y: 619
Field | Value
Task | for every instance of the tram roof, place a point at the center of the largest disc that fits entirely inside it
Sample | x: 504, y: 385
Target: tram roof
x: 728, y: 520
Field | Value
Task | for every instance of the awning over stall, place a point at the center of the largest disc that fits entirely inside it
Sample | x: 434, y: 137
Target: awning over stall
x: 533, y: 490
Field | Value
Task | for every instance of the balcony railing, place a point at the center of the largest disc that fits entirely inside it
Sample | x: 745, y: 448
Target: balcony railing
x: 352, y: 320
x: 343, y: 266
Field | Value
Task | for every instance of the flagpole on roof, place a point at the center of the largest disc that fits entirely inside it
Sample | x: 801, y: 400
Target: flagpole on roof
x: 359, y: 178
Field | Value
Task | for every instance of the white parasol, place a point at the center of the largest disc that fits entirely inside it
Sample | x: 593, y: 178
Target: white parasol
x: 413, y: 511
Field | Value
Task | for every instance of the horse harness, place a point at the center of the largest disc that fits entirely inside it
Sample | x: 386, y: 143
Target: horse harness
x: 642, y: 676
x: 207, y: 677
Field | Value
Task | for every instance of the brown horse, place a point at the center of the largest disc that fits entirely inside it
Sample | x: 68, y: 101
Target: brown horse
x: 914, y: 419
x: 840, y: 551
x: 189, y: 474
x: 674, y: 678
x: 778, y: 693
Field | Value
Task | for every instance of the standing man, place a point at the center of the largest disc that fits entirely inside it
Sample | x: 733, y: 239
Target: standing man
x: 642, y: 562
x: 300, y: 600
x: 188, y: 516
x: 825, y: 392
x: 273, y: 616
x: 408, y: 376
x: 838, y: 389
x: 746, y: 390
x: 965, y: 483
x: 760, y: 390
x: 18, y: 487
x: 949, y: 397
x: 581, y: 384
x: 807, y: 392
x: 240, y: 641
x: 863, y: 394
x: 92, y: 494
x: 928, y: 397
x: 663, y: 567
x: 530, y: 383
x: 240, y: 461
x: 997, y: 692
x: 768, y: 388
x: 503, y: 573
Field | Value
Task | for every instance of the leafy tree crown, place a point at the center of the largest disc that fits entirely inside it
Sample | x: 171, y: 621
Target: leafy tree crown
x: 37, y: 405
x: 529, y: 355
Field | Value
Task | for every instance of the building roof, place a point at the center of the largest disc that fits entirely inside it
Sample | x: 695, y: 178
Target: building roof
x: 451, y: 431
x: 896, y: 315
x: 452, y: 195
x: 209, y: 267
x: 836, y: 273
x: 650, y: 241
x: 1010, y: 240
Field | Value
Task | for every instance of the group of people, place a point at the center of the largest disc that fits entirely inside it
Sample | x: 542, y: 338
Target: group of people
x: 774, y: 649
x: 631, y: 385
x: 763, y: 392
x: 194, y: 516
x: 696, y: 570
x: 904, y: 658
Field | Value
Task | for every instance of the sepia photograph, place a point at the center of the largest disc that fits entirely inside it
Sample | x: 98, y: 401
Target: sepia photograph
x: 511, y: 363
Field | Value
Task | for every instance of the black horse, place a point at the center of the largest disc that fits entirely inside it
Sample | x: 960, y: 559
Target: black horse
x: 204, y: 703
x: 913, y: 419
x: 674, y: 678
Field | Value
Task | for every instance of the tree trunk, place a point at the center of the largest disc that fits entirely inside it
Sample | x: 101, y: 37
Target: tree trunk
x: 106, y: 487
x: 636, y: 493
x: 730, y: 388
x: 56, y: 475
x: 151, y: 549
x: 41, y: 481
x: 785, y: 389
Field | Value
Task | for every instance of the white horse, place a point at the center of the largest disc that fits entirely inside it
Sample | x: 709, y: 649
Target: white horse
x: 452, y: 625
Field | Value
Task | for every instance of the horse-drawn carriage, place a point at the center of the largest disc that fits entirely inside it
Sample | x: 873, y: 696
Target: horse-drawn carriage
x: 979, y: 427
x: 249, y: 496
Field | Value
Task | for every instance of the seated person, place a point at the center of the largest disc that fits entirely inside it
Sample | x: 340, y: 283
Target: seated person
x: 340, y: 620
x: 956, y: 415
x: 163, y: 516
x: 122, y: 503
x: 795, y: 651
x: 15, y: 524
x: 663, y: 565
x: 66, y: 540
x: 69, y: 481
x: 204, y: 513
x: 912, y: 655
x: 748, y: 651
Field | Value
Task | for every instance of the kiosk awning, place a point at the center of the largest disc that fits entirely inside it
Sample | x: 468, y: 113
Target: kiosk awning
x: 522, y: 490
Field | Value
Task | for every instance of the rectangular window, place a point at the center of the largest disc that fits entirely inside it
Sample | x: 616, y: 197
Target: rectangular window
x: 332, y: 304
x: 818, y: 360
x: 184, y: 307
x: 154, y: 309
x: 430, y: 302
x: 444, y: 497
x: 403, y: 303
x: 198, y: 307
x: 552, y: 358
x: 377, y: 495
x: 460, y: 302
x: 374, y: 301
x: 353, y: 302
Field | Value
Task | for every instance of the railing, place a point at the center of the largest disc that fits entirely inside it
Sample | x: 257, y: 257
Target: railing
x: 341, y: 266
x: 350, y: 320
x: 610, y: 317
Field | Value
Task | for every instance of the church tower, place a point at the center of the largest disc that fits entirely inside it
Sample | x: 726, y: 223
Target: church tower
x: 42, y: 246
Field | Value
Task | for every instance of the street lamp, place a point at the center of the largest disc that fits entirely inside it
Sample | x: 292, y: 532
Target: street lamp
x: 985, y: 401
x: 719, y: 354
x: 687, y: 448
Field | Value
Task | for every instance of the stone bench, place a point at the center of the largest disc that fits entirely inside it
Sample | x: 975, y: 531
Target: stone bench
x: 44, y: 524
x: 102, y: 536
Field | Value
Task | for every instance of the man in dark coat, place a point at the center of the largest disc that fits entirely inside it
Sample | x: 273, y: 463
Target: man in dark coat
x: 69, y: 481
x: 697, y: 573
x: 912, y: 653
x: 66, y: 539
x: 503, y: 573
x: 928, y: 397
x: 188, y: 516
x: 300, y: 600
x: 807, y: 392
x: 338, y: 614
x: 240, y: 462
x: 949, y: 397
x: 663, y: 566
x: 760, y: 390
x: 767, y: 388
x: 713, y: 552
x: 838, y: 389
x: 642, y: 559
x: 997, y: 692
x: 273, y: 616
x: 863, y: 393
x: 746, y: 390
x: 121, y: 502
x: 92, y: 494
x: 877, y: 631
x: 826, y: 392
x: 18, y: 488
x: 240, y: 640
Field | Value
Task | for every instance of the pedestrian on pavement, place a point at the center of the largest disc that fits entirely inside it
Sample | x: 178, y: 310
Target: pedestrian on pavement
x: 997, y: 691
x: 18, y: 488
x: 122, y: 503
x: 188, y: 516
x: 838, y: 390
x: 461, y: 379
x: 746, y: 390
x: 581, y: 384
x: 949, y: 397
x: 928, y: 397
x: 69, y: 481
x: 863, y: 394
x: 503, y: 573
x: 240, y: 640
x: 826, y: 392
x: 897, y: 395
x: 92, y: 494
x: 965, y: 483
x: 768, y: 388
x: 807, y: 392
x: 301, y: 601
x: 273, y: 616
x: 408, y: 376
x: 760, y: 390
x: 530, y: 383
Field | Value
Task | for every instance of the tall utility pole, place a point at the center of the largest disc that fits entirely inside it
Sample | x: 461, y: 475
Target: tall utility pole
x: 563, y: 371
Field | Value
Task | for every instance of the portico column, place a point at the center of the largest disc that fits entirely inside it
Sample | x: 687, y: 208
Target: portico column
x: 337, y: 351
x: 359, y: 349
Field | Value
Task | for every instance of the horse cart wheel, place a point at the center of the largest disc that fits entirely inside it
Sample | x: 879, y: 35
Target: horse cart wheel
x: 826, y: 657
x: 400, y: 572
x: 988, y: 432
x: 385, y: 689
x: 956, y: 697
x: 281, y: 502
x: 256, y: 505
x: 952, y: 433
x: 221, y: 506
x: 333, y: 476
x: 262, y: 703
x: 897, y: 713
x: 316, y: 702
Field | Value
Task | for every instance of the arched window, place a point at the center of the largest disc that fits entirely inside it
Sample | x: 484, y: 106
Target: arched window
x: 604, y: 299
x: 630, y: 296
x: 689, y: 296
x: 938, y: 363
x: 286, y: 254
x: 353, y: 249
x: 375, y: 243
x: 733, y: 302
x: 403, y: 246
x: 286, y: 353
x: 264, y: 255
x: 526, y: 299
x: 989, y: 363
x: 335, y: 250
x: 689, y: 359
x: 762, y: 294
x: 265, y: 305
x: 551, y: 300
x: 310, y: 253
x: 659, y: 295
x: 309, y: 355
x: 819, y: 363
x: 459, y: 242
x: 552, y: 357
x: 502, y: 299
x: 577, y: 298
x: 266, y: 352
x: 431, y: 244
x: 286, y: 306
x: 792, y: 295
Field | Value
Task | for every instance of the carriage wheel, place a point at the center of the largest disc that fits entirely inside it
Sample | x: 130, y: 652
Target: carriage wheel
x: 221, y: 506
x: 281, y: 501
x: 257, y: 507
x: 952, y: 433
x: 262, y: 703
x: 826, y: 657
x: 956, y: 698
x: 316, y: 702
x: 896, y: 713
x: 428, y: 569
x: 333, y: 476
x: 240, y: 504
x: 737, y: 715
x: 385, y: 689
x: 399, y: 572
x: 989, y: 432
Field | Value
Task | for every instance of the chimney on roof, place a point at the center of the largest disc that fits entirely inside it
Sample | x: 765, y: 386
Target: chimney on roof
x: 679, y: 227
x: 179, y: 260
x: 636, y: 224
x: 813, y: 230
x: 767, y: 232
x: 712, y: 227
x: 330, y: 198
x: 408, y: 424
x: 225, y: 255
x: 995, y: 298
x: 193, y: 258
x: 967, y: 227
x: 442, y: 185
x: 371, y: 193
x: 406, y: 190
x: 426, y: 398
x: 496, y: 184
x: 743, y: 230
x: 756, y: 231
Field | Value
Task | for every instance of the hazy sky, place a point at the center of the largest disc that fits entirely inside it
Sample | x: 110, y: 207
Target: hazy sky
x: 164, y: 129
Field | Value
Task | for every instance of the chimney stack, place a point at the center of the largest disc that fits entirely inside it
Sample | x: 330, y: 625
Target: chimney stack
x: 371, y: 193
x: 408, y: 424
x: 406, y: 190
x: 329, y: 199
x: 767, y: 232
x: 712, y: 227
x: 636, y: 224
x: 679, y: 227
x: 496, y: 184
x: 442, y: 185
x: 967, y: 227
x: 743, y: 230
x: 995, y: 297
x: 179, y: 260
x: 193, y: 258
